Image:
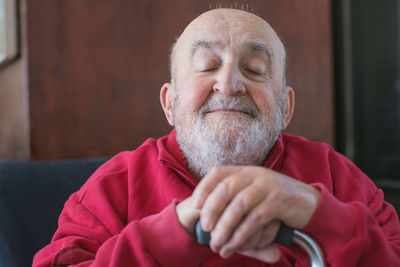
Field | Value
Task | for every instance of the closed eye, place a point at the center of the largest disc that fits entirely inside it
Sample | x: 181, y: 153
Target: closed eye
x: 210, y: 69
x: 253, y: 72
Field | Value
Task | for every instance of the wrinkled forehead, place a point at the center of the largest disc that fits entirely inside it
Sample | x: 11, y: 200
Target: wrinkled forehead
x: 230, y: 29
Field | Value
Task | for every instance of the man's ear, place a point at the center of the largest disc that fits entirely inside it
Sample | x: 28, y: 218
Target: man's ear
x: 289, y: 106
x: 166, y: 99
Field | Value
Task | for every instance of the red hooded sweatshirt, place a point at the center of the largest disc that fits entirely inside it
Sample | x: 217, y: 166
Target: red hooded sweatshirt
x: 124, y: 215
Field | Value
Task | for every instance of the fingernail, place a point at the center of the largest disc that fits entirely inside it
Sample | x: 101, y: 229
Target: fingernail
x: 206, y: 225
x: 226, y: 253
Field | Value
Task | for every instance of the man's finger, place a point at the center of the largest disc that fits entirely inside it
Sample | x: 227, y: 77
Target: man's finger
x: 269, y: 234
x: 219, y: 198
x: 233, y: 214
x: 253, y: 241
x: 209, y: 182
x: 262, y: 238
x: 259, y: 216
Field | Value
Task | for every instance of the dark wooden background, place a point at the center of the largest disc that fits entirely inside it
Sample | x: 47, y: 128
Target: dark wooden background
x: 95, y: 68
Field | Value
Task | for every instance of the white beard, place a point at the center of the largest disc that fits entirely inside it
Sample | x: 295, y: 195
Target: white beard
x: 237, y: 139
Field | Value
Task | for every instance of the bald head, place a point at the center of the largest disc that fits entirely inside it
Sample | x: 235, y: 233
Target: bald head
x: 230, y: 26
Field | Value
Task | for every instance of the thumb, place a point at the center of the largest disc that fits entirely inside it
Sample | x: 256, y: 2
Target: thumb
x: 187, y: 214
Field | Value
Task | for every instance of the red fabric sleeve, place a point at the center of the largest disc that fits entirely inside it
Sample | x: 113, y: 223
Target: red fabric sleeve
x: 156, y: 240
x: 354, y: 234
x: 169, y: 242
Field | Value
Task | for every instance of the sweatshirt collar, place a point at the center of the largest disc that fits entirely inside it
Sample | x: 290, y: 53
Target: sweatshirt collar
x: 275, y: 157
x: 171, y: 154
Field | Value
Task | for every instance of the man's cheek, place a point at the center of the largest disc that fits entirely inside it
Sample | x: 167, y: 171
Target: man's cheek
x: 198, y: 91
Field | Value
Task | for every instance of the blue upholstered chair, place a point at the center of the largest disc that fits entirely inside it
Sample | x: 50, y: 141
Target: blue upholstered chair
x: 32, y: 195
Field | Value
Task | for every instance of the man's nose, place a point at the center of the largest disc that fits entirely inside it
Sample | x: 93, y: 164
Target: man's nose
x: 229, y: 82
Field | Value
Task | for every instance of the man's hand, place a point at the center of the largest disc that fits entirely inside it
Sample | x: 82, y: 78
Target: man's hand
x: 188, y: 214
x: 242, y: 207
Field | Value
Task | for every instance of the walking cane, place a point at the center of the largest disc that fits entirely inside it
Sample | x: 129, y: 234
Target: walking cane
x: 284, y: 237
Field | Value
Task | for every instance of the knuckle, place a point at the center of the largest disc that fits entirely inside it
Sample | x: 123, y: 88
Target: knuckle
x: 209, y: 212
x: 223, y: 227
x: 242, y: 204
x: 224, y: 187
x: 257, y: 217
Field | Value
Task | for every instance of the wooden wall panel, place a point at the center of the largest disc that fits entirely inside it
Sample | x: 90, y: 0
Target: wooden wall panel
x: 96, y: 66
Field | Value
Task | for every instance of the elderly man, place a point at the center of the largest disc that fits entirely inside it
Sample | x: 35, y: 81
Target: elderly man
x: 227, y: 163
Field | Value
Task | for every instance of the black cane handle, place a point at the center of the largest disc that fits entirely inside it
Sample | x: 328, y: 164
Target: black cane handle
x: 284, y: 237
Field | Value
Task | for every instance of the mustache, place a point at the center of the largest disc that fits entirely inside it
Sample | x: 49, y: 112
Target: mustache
x: 236, y: 103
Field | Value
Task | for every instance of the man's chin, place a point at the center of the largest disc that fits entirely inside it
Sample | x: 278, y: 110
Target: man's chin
x: 224, y: 134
